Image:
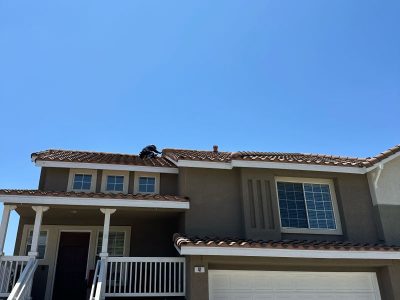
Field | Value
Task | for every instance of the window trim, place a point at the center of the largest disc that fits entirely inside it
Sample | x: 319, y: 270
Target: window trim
x: 71, y: 177
x: 107, y: 173
x: 27, y: 244
x: 337, y: 231
x: 156, y: 176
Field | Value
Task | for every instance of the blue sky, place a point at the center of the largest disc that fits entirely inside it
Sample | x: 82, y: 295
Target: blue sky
x: 308, y: 76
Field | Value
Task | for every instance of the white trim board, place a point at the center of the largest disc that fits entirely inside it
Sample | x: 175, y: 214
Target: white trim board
x: 295, y: 166
x: 115, y: 167
x: 267, y: 165
x: 97, y: 202
x: 289, y: 253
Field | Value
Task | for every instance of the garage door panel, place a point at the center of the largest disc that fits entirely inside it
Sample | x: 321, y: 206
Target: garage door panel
x: 280, y: 285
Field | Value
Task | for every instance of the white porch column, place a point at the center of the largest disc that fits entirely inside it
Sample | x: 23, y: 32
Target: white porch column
x: 36, y: 229
x: 4, y: 225
x: 106, y: 230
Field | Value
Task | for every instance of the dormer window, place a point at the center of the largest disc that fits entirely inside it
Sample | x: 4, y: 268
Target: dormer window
x: 82, y: 180
x: 147, y: 184
x: 115, y: 183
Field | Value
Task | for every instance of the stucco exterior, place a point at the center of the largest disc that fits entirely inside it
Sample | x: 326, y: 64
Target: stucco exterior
x: 238, y: 202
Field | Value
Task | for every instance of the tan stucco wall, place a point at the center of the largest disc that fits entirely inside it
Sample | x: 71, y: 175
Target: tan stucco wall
x: 215, y: 201
x: 56, y: 179
x: 217, y: 204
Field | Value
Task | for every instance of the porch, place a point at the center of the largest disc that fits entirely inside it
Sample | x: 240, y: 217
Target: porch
x: 101, y: 252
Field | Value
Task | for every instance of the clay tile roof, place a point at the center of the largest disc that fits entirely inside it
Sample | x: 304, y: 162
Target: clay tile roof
x: 178, y: 154
x: 100, y: 158
x: 182, y: 240
x: 94, y: 195
x: 300, y: 158
x: 369, y: 161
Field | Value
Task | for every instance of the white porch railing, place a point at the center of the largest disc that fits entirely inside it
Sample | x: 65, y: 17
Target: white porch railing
x: 11, y: 267
x: 139, y: 276
x: 23, y: 287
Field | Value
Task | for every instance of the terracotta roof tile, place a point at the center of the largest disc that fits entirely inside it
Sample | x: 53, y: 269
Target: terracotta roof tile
x: 177, y: 154
x: 369, y: 161
x: 94, y: 195
x: 300, y: 158
x: 100, y: 158
x: 182, y: 240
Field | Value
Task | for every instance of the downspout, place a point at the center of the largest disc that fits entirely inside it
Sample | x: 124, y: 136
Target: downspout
x: 376, y: 179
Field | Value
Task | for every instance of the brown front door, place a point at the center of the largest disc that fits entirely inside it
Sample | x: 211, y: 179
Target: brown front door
x: 70, y: 280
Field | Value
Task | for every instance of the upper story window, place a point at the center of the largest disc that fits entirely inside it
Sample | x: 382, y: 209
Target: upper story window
x: 115, y: 183
x: 308, y: 206
x: 147, y: 183
x: 82, y: 180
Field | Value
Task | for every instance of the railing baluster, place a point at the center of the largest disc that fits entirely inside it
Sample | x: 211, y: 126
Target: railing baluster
x: 140, y: 277
x: 135, y: 280
x: 150, y: 276
x: 130, y: 277
x: 170, y: 265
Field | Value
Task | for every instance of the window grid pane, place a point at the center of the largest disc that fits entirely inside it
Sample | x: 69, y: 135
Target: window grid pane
x: 41, y: 243
x: 306, y: 205
x: 116, y: 242
x: 319, y: 206
x: 115, y: 183
x: 147, y: 184
x: 82, y: 182
x: 292, y: 205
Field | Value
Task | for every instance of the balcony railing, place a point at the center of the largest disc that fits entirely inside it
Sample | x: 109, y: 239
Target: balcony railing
x: 11, y: 267
x: 139, y: 276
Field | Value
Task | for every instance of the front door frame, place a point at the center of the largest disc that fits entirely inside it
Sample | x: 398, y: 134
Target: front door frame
x: 58, y: 248
x: 53, y: 241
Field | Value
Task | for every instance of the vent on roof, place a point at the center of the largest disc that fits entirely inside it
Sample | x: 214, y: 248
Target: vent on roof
x: 215, y: 148
x: 149, y: 151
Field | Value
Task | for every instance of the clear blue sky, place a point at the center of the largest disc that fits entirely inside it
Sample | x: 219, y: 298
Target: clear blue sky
x: 310, y: 76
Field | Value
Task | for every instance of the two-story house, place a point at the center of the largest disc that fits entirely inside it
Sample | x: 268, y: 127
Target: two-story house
x: 204, y: 225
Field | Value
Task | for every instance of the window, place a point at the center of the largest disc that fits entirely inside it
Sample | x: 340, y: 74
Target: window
x: 82, y: 182
x: 147, y: 184
x: 307, y: 205
x: 41, y: 243
x: 116, y: 243
x: 115, y: 183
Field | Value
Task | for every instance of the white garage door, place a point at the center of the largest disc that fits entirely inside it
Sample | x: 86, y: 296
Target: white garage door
x: 260, y: 285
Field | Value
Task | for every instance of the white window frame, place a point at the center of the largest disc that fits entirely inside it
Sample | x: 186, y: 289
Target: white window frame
x: 30, y: 245
x: 337, y: 231
x: 107, y: 173
x: 147, y: 174
x: 73, y: 172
